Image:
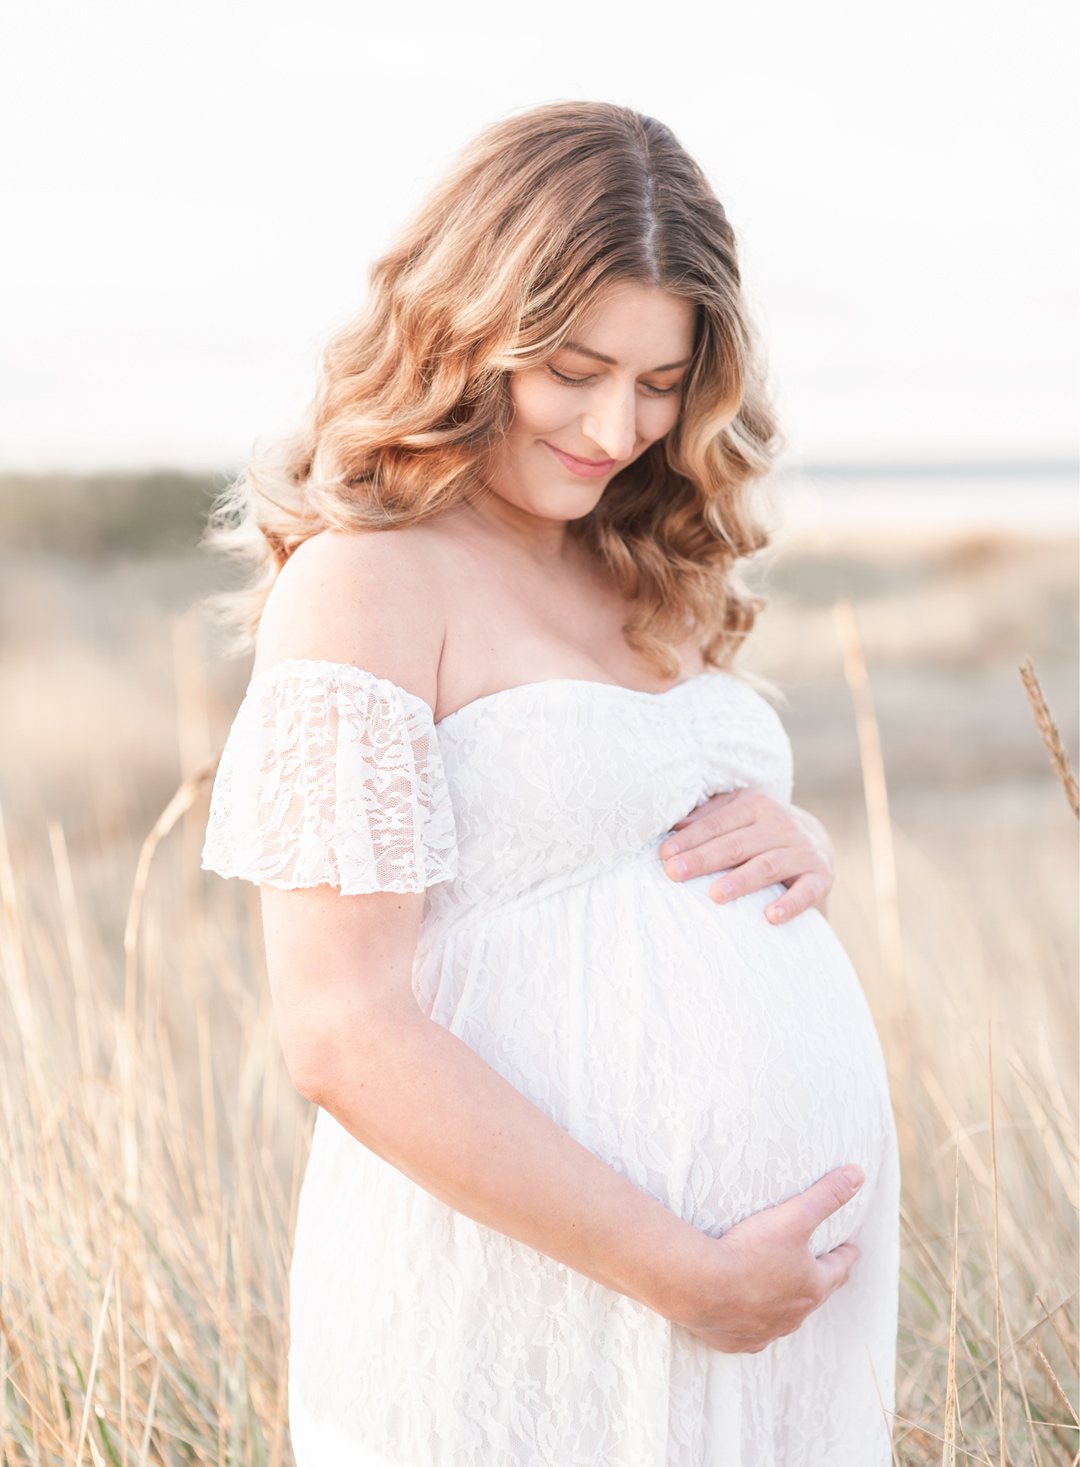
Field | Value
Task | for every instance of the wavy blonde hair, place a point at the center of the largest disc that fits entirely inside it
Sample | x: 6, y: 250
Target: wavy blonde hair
x: 541, y: 214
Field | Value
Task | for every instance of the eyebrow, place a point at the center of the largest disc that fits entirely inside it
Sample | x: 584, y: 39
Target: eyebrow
x: 598, y: 356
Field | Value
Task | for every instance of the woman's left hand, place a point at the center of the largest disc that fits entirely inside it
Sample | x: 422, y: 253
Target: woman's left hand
x: 755, y: 841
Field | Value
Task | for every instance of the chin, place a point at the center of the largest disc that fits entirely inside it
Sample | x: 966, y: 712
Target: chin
x: 571, y: 506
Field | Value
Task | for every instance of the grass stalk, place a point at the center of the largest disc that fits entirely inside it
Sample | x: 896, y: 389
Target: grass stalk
x: 882, y: 852
x: 91, y: 1376
x: 997, y: 1254
x: 948, y: 1450
x: 1051, y: 736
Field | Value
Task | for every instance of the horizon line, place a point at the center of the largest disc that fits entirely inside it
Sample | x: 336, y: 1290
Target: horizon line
x: 838, y: 468
x: 932, y: 468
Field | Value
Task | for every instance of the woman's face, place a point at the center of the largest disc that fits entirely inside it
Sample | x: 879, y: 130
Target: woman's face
x: 599, y: 403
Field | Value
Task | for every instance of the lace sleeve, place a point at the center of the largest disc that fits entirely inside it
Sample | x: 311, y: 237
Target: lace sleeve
x: 331, y: 776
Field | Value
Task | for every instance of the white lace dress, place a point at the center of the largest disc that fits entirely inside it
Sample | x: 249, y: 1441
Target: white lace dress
x: 718, y: 1062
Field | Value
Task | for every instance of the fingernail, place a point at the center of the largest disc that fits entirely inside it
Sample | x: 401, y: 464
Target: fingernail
x: 854, y: 1176
x: 677, y: 869
x: 778, y: 914
x: 670, y: 848
x: 725, y: 887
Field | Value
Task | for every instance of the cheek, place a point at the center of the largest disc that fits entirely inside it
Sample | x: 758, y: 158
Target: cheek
x: 540, y: 405
x: 657, y: 416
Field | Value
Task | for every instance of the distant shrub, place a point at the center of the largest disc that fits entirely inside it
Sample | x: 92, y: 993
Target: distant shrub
x: 158, y: 513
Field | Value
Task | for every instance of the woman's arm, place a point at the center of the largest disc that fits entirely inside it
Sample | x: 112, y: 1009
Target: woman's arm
x: 357, y: 1044
x: 756, y: 841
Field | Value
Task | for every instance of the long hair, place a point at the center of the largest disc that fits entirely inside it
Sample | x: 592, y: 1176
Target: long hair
x: 540, y: 215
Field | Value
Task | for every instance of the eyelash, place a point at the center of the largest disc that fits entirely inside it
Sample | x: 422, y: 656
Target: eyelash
x: 580, y: 382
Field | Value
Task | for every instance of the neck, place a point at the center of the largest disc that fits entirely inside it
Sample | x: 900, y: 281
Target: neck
x: 541, y: 539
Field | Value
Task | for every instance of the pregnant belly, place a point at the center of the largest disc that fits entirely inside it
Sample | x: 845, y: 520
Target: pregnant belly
x: 718, y: 1062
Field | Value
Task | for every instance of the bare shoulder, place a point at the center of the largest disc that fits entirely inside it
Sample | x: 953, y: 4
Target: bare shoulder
x: 373, y: 599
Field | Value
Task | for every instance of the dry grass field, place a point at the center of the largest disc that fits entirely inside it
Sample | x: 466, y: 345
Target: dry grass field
x: 151, y: 1145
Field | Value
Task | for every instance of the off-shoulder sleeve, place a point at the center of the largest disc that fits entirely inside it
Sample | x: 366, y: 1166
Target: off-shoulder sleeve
x: 331, y: 776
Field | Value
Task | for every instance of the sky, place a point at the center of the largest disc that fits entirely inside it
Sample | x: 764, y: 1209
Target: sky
x: 194, y: 192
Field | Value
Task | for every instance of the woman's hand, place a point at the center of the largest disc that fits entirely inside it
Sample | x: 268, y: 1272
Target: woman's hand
x: 769, y: 1281
x: 755, y: 841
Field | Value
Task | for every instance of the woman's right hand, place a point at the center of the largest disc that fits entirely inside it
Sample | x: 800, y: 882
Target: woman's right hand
x: 761, y: 1280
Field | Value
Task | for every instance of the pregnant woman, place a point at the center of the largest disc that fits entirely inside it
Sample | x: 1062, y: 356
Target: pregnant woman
x: 604, y: 1172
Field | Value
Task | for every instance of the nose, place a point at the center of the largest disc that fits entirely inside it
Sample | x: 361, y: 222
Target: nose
x: 611, y: 421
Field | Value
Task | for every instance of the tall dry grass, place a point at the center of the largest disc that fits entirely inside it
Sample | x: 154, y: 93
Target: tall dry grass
x: 152, y: 1153
x: 987, y: 1123
x: 152, y: 1148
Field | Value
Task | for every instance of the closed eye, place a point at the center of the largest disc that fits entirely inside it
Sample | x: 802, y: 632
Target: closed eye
x: 569, y: 381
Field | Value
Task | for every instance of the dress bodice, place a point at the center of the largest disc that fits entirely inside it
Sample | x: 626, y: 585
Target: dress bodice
x: 551, y: 782
x: 332, y: 776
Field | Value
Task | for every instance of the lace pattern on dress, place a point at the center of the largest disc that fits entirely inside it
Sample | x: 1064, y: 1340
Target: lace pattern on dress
x: 331, y: 776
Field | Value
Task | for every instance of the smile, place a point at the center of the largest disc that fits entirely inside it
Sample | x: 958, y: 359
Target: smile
x: 584, y: 468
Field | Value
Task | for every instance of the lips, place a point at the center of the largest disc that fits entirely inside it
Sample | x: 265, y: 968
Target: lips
x: 583, y: 468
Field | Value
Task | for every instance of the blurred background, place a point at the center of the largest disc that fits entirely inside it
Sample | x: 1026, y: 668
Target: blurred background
x: 194, y: 196
x: 201, y: 188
